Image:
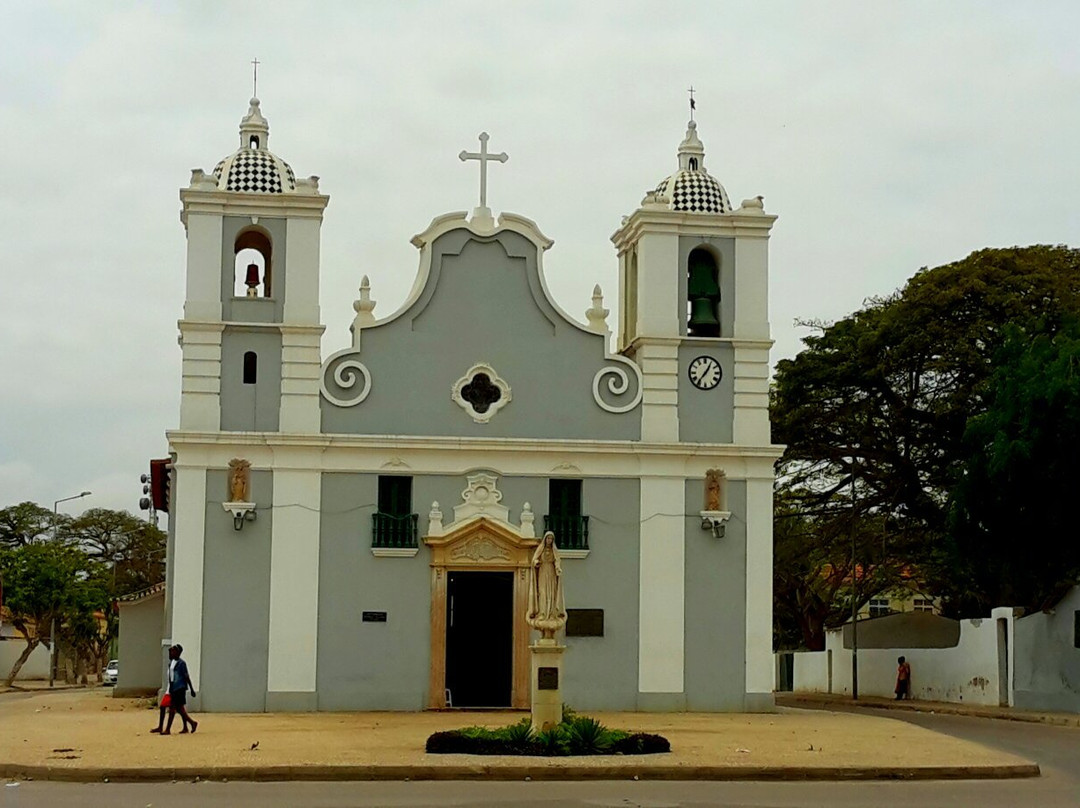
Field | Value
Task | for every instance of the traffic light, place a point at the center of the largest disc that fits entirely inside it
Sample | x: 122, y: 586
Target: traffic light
x: 161, y: 483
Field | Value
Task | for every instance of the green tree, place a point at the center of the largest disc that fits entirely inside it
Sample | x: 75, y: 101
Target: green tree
x: 24, y: 523
x: 814, y: 566
x: 1012, y: 531
x: 43, y: 582
x: 133, y: 549
x: 884, y: 396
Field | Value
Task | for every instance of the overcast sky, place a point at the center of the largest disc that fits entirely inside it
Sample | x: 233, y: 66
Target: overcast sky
x: 886, y: 136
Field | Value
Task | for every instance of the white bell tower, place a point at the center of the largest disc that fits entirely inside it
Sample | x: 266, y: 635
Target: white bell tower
x: 693, y: 284
x: 250, y: 332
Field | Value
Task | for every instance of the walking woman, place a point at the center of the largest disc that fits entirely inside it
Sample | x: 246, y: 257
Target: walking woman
x: 179, y: 684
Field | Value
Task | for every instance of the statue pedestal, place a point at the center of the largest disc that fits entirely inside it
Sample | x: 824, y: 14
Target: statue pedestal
x: 546, y: 684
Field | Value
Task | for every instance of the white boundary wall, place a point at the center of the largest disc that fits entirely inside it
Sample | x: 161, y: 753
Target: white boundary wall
x: 969, y: 672
x: 36, y: 667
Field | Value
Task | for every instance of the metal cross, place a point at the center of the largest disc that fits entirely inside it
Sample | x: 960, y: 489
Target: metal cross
x: 483, y: 157
x: 255, y: 77
x: 692, y: 106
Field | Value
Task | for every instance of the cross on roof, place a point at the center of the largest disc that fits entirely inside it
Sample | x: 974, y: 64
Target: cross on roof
x: 255, y: 77
x: 483, y: 157
x: 692, y: 105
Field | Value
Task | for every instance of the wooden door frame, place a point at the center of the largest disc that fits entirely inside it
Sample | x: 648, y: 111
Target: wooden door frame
x: 480, y: 545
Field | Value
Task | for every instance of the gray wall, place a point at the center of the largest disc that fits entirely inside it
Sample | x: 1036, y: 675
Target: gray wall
x: 250, y: 407
x: 142, y: 627
x: 245, y: 309
x: 485, y: 293
x: 366, y: 666
x: 1047, y: 675
x: 602, y: 672
x: 236, y: 600
x: 707, y: 416
x: 715, y: 604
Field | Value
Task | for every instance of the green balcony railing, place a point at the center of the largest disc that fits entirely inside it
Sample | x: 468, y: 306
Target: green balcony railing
x: 571, y: 532
x: 393, y: 531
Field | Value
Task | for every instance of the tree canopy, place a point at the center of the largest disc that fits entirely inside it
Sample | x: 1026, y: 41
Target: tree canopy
x: 884, y: 398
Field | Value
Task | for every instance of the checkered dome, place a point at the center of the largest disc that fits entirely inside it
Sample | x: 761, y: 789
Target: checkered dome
x: 694, y: 191
x: 255, y: 171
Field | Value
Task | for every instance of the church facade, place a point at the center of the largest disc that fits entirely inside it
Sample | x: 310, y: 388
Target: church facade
x: 353, y: 532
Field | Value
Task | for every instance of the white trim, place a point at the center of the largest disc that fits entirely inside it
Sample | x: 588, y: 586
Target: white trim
x: 354, y: 365
x: 189, y: 514
x: 394, y: 552
x: 619, y: 385
x: 662, y: 584
x: 294, y: 581
x: 574, y: 553
x: 504, y: 389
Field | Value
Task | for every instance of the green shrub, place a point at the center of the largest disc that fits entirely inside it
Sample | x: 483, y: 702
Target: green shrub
x: 641, y: 743
x: 587, y: 736
x: 519, y: 734
x: 553, y: 742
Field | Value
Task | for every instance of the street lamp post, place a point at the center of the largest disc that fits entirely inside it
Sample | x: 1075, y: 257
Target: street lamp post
x: 52, y: 627
x: 854, y: 599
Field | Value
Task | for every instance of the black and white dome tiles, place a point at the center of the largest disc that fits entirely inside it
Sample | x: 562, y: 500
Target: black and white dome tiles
x: 695, y: 192
x: 255, y: 171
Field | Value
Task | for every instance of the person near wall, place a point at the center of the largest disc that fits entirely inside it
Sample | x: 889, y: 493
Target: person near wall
x: 903, y: 679
x: 179, y: 684
x: 166, y: 700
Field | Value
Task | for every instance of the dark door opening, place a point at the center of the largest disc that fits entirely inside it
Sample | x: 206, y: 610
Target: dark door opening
x: 479, y: 638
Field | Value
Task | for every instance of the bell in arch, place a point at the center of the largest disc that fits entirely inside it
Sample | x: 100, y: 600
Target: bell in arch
x: 703, y: 294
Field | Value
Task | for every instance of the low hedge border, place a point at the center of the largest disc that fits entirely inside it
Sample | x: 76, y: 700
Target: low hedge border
x: 576, y: 735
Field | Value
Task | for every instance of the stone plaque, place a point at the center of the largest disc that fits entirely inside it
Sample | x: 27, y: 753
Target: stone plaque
x: 584, y: 622
x: 547, y: 678
x: 373, y: 617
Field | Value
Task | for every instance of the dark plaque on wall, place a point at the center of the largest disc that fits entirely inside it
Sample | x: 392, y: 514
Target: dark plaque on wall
x: 584, y: 622
x: 373, y: 617
x: 547, y: 678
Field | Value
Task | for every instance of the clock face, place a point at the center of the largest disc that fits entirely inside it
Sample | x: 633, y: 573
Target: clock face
x: 705, y: 373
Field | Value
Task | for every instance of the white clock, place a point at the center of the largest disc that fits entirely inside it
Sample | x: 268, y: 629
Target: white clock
x: 705, y: 373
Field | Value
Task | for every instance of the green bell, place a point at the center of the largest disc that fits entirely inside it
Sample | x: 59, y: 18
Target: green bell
x: 703, y: 320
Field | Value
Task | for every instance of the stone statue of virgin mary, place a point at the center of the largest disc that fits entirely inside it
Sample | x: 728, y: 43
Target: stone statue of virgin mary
x: 547, y: 612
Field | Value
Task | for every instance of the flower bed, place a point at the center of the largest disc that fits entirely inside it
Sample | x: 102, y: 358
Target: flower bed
x: 576, y: 735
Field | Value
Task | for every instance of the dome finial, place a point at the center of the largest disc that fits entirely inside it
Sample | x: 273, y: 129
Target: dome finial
x: 254, y: 128
x: 691, y: 150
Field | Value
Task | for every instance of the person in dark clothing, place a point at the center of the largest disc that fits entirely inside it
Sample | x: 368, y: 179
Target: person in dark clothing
x: 179, y: 684
x: 903, y: 679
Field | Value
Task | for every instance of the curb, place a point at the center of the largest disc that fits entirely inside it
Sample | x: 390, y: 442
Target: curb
x: 938, y: 708
x: 482, y: 771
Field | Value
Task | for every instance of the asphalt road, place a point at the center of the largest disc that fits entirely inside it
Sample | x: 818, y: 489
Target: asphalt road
x: 1056, y: 749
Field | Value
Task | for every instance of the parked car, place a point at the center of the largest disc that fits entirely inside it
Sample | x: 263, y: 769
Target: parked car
x: 112, y: 670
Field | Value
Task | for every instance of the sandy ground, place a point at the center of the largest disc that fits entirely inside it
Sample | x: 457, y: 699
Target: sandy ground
x: 88, y: 728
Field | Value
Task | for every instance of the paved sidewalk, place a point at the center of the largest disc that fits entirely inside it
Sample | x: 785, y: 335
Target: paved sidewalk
x: 86, y: 735
x: 832, y: 701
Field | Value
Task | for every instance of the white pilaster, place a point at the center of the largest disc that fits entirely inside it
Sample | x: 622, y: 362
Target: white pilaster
x: 751, y: 387
x: 760, y: 668
x: 294, y: 579
x: 302, y: 271
x: 200, y: 383
x: 660, y: 394
x: 662, y: 577
x: 752, y: 287
x: 301, y: 363
x: 189, y: 515
x: 660, y: 311
x: 203, y: 295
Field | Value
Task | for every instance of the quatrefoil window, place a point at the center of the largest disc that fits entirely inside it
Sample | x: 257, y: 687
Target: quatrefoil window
x: 480, y: 392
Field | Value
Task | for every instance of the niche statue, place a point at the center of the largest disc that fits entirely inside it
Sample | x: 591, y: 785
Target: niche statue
x: 547, y: 612
x: 239, y: 480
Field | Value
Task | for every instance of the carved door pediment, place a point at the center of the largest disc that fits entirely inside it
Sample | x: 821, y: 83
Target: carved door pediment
x: 480, y: 542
